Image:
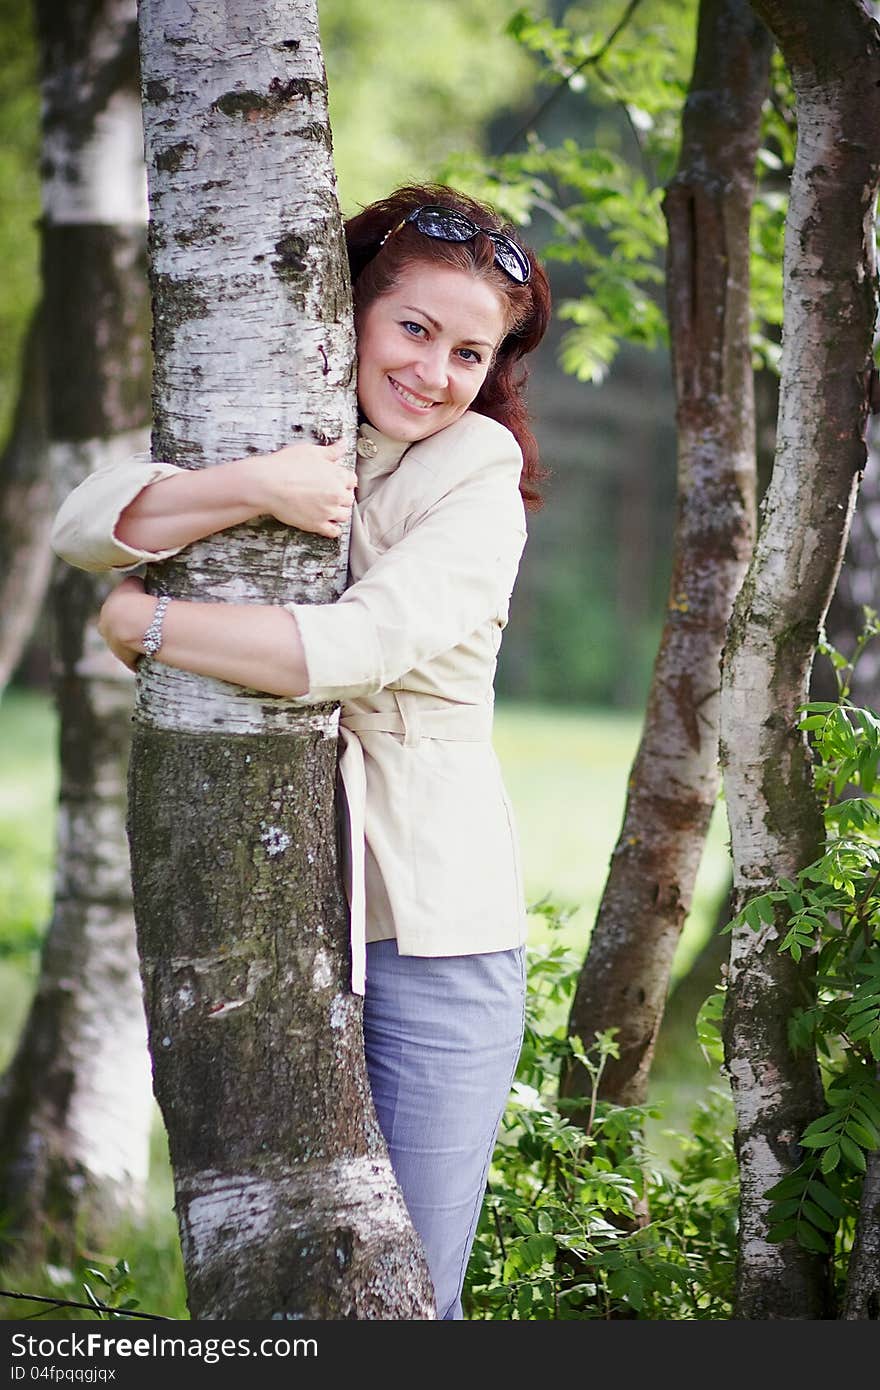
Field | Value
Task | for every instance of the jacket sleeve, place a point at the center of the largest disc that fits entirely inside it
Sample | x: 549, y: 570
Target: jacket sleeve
x: 84, y: 530
x: 453, y: 571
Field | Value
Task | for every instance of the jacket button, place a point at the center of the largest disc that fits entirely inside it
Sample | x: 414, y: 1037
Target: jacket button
x: 367, y: 448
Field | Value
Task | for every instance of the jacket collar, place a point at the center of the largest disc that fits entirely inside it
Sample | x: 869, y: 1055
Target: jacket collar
x: 378, y: 454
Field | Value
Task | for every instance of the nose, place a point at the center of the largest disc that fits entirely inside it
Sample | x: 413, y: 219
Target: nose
x: 431, y: 369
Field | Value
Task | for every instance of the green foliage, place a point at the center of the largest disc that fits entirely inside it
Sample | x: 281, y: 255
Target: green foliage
x: 112, y: 1289
x: 565, y: 1231
x: 831, y: 913
x: 604, y: 198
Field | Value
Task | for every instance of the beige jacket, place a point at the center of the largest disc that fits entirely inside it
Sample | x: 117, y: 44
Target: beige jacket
x: 410, y: 651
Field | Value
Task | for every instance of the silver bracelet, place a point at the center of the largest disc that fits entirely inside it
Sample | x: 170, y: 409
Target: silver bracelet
x: 152, y: 639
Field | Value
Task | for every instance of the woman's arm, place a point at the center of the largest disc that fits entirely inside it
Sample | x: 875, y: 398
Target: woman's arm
x: 303, y: 485
x: 254, y: 645
x: 128, y: 513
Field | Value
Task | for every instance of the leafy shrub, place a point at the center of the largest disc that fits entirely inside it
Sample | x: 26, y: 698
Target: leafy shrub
x: 580, y: 1222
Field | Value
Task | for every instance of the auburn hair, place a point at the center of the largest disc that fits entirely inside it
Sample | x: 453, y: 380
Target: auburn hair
x: 375, y: 270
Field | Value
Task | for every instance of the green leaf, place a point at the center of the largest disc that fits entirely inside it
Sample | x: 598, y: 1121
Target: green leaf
x: 810, y: 1239
x: 869, y: 1102
x: 792, y: 1186
x: 830, y: 1159
x: 783, y: 1231
x: 861, y: 1135
x: 853, y: 1153
x: 819, y: 1218
x: 818, y: 1141
x: 826, y: 1198
x: 830, y: 1120
x: 783, y: 1210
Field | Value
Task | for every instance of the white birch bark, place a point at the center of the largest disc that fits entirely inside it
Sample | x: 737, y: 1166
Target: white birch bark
x: 243, y: 930
x: 76, y: 1102
x: 776, y: 828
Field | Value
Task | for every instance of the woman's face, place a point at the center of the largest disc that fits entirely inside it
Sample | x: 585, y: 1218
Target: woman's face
x: 424, y: 349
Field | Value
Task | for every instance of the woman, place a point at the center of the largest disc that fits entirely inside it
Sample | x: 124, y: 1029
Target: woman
x: 447, y: 303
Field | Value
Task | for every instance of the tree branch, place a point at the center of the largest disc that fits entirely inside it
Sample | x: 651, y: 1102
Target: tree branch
x: 591, y: 60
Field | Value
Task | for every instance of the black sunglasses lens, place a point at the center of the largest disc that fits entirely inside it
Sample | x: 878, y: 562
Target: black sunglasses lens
x: 446, y: 224
x: 511, y: 258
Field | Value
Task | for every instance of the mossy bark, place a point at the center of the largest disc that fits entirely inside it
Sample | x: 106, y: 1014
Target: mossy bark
x: 285, y: 1195
x: 775, y: 821
x: 674, y: 781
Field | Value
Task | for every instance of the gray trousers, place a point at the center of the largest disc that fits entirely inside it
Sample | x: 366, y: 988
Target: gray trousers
x: 442, y: 1037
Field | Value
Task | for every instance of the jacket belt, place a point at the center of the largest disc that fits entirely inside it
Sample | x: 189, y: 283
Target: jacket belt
x: 410, y: 720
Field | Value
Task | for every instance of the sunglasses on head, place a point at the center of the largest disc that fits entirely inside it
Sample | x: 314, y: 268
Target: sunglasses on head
x: 448, y: 225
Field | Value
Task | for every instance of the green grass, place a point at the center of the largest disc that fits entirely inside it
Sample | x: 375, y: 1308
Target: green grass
x: 566, y: 772
x: 28, y: 791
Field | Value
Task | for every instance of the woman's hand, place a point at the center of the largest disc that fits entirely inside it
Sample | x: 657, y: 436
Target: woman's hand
x: 306, y: 486
x: 124, y: 618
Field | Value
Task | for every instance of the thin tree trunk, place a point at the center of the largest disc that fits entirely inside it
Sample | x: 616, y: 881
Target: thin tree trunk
x: 833, y: 53
x: 76, y: 1105
x: 26, y: 498
x: 674, y: 781
x: 863, y: 1275
x: 284, y: 1191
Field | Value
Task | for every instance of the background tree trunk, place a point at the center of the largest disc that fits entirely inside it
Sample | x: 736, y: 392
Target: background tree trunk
x: 674, y: 781
x: 857, y: 589
x: 284, y: 1191
x: 863, y: 1275
x: 776, y: 827
x: 76, y: 1105
x: 26, y: 498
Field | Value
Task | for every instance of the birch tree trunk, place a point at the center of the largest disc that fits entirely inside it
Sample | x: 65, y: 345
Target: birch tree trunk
x: 284, y: 1191
x: 833, y: 53
x: 674, y: 781
x: 26, y: 497
x: 76, y: 1106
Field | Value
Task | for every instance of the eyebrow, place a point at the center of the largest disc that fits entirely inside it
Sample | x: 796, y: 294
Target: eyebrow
x: 469, y: 342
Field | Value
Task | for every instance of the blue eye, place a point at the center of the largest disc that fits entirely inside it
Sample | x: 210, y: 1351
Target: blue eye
x: 474, y: 356
x: 409, y: 324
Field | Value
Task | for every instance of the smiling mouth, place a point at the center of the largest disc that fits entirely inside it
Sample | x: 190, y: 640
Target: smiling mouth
x: 417, y: 402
